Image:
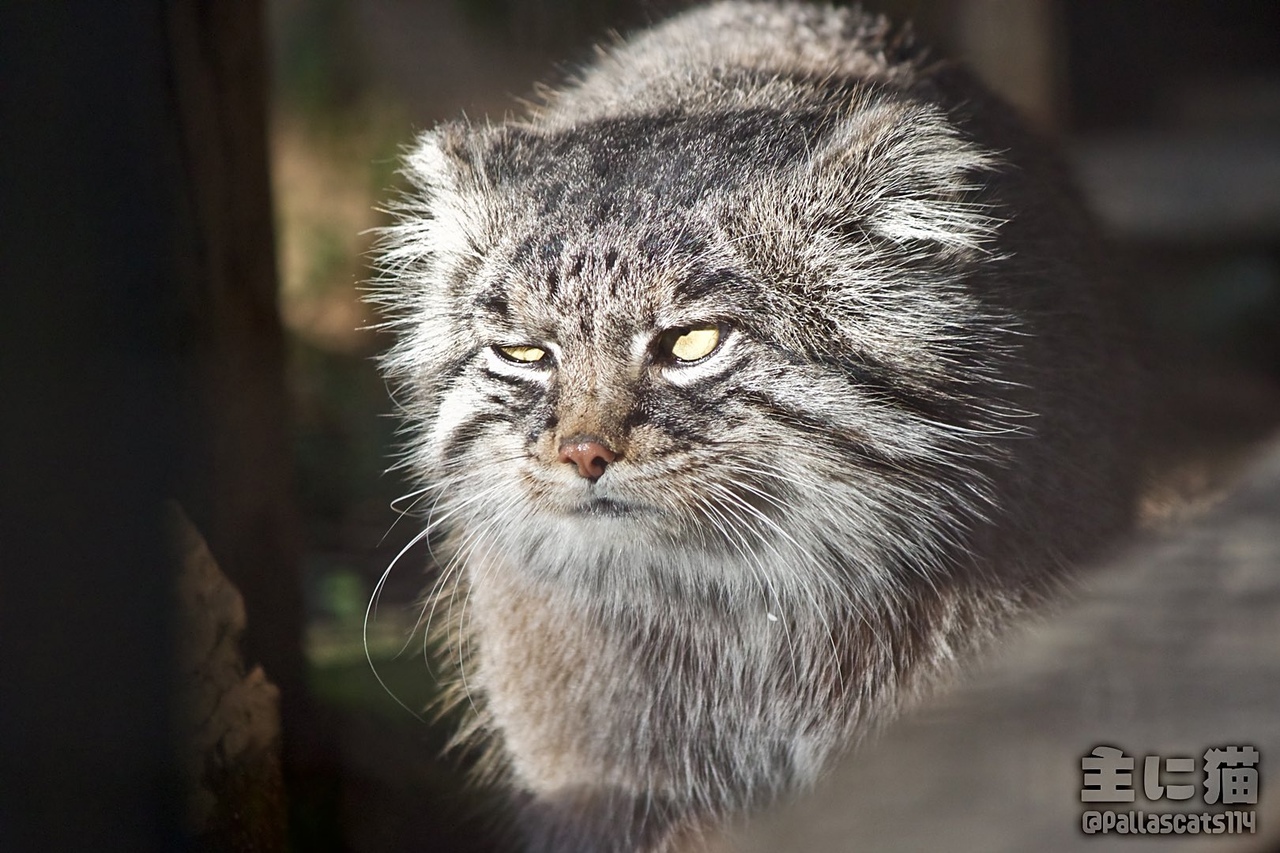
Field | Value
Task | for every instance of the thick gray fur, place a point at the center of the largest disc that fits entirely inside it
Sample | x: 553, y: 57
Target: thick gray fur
x: 916, y: 419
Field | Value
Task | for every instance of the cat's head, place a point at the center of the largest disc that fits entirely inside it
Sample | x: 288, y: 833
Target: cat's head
x: 745, y: 336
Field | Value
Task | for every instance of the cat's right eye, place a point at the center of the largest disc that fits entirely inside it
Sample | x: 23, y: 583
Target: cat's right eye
x: 522, y: 354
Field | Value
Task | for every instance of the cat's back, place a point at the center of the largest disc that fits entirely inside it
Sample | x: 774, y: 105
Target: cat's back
x: 735, y: 56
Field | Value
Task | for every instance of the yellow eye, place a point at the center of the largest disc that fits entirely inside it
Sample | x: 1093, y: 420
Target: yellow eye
x: 523, y: 354
x: 691, y: 344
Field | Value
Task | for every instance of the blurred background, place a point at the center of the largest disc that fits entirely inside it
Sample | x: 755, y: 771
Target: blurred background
x: 1169, y: 111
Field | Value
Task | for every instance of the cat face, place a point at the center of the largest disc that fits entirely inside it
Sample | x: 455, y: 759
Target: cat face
x: 612, y: 342
x: 652, y: 360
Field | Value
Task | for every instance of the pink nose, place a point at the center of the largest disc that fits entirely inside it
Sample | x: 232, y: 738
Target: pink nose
x: 590, y: 455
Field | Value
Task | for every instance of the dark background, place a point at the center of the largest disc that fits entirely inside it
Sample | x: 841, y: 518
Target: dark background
x: 185, y: 187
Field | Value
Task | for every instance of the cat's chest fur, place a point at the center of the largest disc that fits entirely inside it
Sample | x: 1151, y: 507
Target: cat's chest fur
x: 586, y: 695
x: 658, y: 700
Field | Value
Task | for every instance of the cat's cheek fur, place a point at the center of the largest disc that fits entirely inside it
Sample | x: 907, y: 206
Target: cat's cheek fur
x: 457, y: 407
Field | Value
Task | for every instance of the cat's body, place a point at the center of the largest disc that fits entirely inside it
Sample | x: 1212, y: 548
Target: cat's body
x: 756, y: 378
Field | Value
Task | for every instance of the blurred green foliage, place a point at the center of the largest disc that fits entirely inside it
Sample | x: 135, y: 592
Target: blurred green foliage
x: 319, y: 69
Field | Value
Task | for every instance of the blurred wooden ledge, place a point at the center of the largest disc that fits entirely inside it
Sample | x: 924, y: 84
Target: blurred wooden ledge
x: 1172, y: 648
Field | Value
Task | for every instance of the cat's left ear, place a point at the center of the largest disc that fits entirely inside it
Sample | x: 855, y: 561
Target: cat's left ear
x: 902, y: 170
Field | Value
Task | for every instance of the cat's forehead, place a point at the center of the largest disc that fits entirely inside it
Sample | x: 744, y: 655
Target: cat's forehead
x: 637, y: 167
x: 608, y: 283
x: 613, y: 228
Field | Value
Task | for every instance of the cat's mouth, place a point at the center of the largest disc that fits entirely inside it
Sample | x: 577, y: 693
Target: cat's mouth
x: 609, y: 508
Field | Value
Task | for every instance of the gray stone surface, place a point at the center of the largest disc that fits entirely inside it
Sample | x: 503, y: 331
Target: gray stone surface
x: 1170, y: 648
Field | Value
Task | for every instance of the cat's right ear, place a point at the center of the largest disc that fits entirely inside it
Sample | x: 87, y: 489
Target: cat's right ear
x: 442, y: 218
x: 443, y: 159
x: 436, y: 238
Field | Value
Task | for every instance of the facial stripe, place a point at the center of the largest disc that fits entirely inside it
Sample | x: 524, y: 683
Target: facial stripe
x: 685, y: 424
x: 481, y: 421
x: 837, y: 435
x: 514, y: 380
x: 905, y: 396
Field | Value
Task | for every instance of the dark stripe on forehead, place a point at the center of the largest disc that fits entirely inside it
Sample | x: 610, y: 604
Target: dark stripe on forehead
x: 539, y: 255
x: 526, y: 249
x: 551, y: 249
x: 494, y: 301
x: 673, y: 243
x: 680, y: 240
x: 701, y: 285
x: 540, y: 248
x: 586, y: 319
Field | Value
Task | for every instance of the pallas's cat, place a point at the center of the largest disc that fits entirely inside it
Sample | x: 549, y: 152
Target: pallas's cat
x: 752, y: 379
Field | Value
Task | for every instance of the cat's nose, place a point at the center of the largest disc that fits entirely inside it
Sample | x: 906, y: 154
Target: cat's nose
x: 589, y: 453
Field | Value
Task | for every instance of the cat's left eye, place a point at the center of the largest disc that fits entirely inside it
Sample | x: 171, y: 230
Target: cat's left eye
x: 522, y: 354
x: 690, y: 343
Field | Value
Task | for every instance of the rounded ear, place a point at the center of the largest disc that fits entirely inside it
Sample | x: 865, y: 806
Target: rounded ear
x: 438, y: 229
x: 441, y: 217
x: 902, y: 170
x: 443, y: 159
